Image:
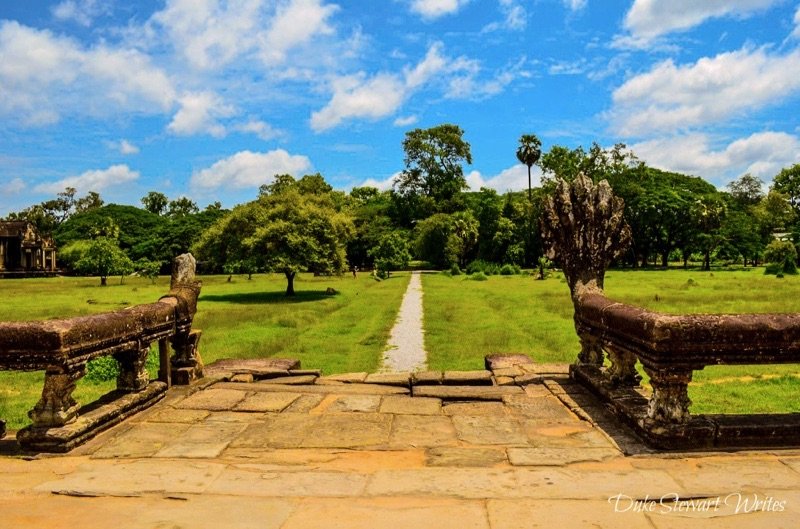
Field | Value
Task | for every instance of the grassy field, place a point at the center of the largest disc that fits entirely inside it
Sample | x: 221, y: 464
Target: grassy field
x: 466, y: 320
x: 241, y: 319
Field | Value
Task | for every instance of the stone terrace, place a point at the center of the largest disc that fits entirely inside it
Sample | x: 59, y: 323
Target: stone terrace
x: 373, y: 451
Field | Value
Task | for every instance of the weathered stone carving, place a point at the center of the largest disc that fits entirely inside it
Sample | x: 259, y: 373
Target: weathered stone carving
x: 63, y: 347
x: 584, y: 229
x: 670, y: 401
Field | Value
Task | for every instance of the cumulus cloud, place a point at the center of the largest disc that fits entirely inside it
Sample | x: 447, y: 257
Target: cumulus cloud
x: 82, y: 12
x: 382, y: 185
x: 95, y: 180
x: 43, y: 75
x: 126, y: 147
x: 13, y: 187
x: 263, y: 130
x: 796, y: 32
x: 405, y: 121
x: 674, y: 97
x: 762, y: 154
x: 515, y: 17
x: 356, y: 96
x: 651, y: 18
x: 433, y: 9
x: 515, y: 178
x: 294, y: 24
x: 250, y: 169
x: 199, y: 113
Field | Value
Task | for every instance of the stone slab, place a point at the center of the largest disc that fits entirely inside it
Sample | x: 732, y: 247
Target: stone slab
x: 301, y: 372
x: 422, y: 431
x: 545, y: 409
x: 466, y: 392
x: 292, y: 380
x: 444, y: 482
x: 390, y: 379
x: 562, y: 514
x: 141, y: 440
x: 287, y: 430
x: 349, y: 378
x: 343, y: 389
x: 464, y: 457
x: 254, y: 480
x: 267, y: 402
x: 558, y: 456
x: 504, y: 360
x: 171, y: 415
x: 355, y: 403
x: 214, y: 399
x: 349, y: 431
x: 243, y: 377
x: 487, y: 430
x: 513, y: 371
x: 427, y: 377
x: 403, y: 405
x: 479, y: 408
x: 305, y: 403
x: 259, y: 367
x: 467, y: 378
x: 388, y: 513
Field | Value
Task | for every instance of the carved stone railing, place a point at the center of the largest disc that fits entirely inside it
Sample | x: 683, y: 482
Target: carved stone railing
x: 670, y: 348
x: 63, y: 347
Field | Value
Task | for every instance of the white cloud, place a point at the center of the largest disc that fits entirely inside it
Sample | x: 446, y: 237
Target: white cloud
x: 674, y: 97
x: 199, y: 113
x: 95, y: 180
x: 43, y: 75
x: 432, y: 64
x: 263, y: 130
x: 515, y: 17
x: 762, y: 154
x: 382, y: 185
x: 575, y: 5
x: 82, y: 12
x: 405, y: 121
x: 295, y: 23
x: 360, y: 97
x: 651, y: 18
x: 433, y: 9
x: 13, y: 187
x: 515, y: 178
x: 126, y: 147
x: 250, y: 169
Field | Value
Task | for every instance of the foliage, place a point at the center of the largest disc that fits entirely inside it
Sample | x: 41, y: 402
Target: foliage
x: 147, y: 268
x: 787, y: 181
x: 181, y: 207
x: 104, y: 258
x: 543, y: 265
x: 477, y: 276
x: 431, y: 238
x: 746, y: 190
x: 509, y: 270
x: 455, y: 270
x: 433, y: 169
x: 155, y: 202
x: 783, y: 255
x: 50, y: 214
x: 282, y: 231
x: 391, y: 253
x: 528, y: 153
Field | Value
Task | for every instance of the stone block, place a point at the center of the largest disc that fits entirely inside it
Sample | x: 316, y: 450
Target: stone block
x: 403, y: 405
x: 355, y: 403
x: 292, y: 380
x: 389, y: 379
x: 426, y: 377
x: 499, y: 361
x: 267, y: 402
x: 442, y: 456
x: 467, y: 378
x: 467, y: 392
x: 348, y: 378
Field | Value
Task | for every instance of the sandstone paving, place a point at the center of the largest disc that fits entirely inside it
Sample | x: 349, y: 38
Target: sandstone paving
x: 388, y: 513
x: 264, y: 402
x: 359, y: 389
x: 367, y: 458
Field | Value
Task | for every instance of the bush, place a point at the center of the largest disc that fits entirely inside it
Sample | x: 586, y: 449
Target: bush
x: 478, y: 276
x: 455, y: 270
x: 781, y: 257
x: 486, y: 267
x: 509, y: 270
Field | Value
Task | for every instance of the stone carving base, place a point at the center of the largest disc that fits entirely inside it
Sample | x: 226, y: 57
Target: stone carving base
x: 703, y: 432
x: 103, y: 414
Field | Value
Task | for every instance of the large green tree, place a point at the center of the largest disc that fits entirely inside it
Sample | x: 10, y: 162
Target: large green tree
x: 433, y: 165
x: 104, y: 258
x: 284, y: 231
x: 788, y: 182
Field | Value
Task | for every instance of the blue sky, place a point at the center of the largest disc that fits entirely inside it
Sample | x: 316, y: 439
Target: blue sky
x: 210, y: 98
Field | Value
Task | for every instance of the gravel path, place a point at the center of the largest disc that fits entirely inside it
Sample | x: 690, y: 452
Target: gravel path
x: 406, y: 347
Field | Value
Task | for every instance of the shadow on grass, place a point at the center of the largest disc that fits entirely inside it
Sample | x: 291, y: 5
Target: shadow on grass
x: 268, y: 297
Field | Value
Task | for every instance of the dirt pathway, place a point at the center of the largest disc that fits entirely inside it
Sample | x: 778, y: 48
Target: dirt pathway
x: 406, y: 347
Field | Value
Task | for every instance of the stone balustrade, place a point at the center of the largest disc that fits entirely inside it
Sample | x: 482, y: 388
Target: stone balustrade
x: 62, y: 348
x: 670, y: 348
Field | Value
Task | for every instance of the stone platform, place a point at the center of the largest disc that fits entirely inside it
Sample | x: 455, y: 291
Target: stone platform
x: 342, y: 452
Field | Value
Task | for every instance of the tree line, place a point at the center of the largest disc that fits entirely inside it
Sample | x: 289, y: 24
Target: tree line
x: 430, y: 214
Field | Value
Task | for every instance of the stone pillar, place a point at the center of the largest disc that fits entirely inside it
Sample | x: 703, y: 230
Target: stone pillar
x: 57, y: 407
x: 622, y: 371
x: 186, y: 362
x: 670, y: 401
x: 183, y: 270
x: 133, y: 376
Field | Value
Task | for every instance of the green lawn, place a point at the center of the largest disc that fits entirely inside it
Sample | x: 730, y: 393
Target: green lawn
x: 466, y: 320
x: 241, y: 319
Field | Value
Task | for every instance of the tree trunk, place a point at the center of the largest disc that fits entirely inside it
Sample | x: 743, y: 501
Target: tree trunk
x: 530, y: 196
x: 103, y: 281
x: 665, y: 259
x: 289, y: 283
x: 707, y: 260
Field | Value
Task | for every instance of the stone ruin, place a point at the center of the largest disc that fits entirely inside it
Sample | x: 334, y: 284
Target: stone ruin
x: 585, y: 230
x: 63, y: 347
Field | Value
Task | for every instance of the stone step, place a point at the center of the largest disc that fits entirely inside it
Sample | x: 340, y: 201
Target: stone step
x: 467, y: 392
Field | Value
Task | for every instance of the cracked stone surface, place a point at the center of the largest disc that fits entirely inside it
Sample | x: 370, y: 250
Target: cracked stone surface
x: 355, y: 455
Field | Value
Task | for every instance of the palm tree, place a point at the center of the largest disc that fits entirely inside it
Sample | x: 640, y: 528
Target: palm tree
x: 528, y: 153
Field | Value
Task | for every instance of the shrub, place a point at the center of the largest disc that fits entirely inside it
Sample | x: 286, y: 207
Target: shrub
x: 455, y: 270
x: 782, y: 258
x: 508, y: 270
x: 478, y: 276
